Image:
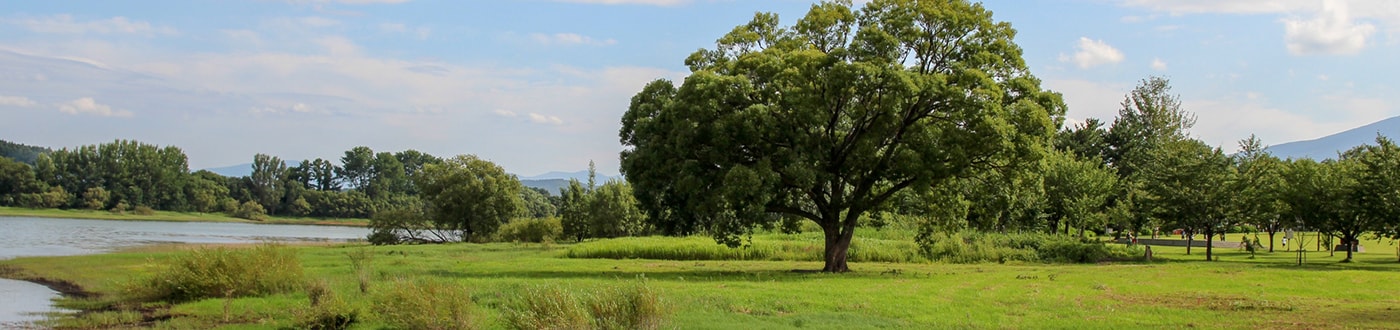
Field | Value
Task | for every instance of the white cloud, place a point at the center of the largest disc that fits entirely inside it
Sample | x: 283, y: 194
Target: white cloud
x: 88, y: 106
x: 1332, y: 32
x: 630, y: 2
x: 569, y: 39
x: 338, y: 45
x: 545, y: 119
x: 504, y: 113
x: 1091, y: 53
x: 65, y: 24
x: 1336, y: 26
x: 16, y: 101
x: 1159, y: 65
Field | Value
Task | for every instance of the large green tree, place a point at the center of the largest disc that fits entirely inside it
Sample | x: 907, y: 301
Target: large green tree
x: 829, y: 118
x: 470, y: 196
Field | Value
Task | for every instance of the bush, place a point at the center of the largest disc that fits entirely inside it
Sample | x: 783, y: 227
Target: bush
x: 327, y: 311
x: 96, y: 198
x: 426, y: 305
x: 530, y: 230
x: 120, y: 208
x: 251, y: 210
x: 223, y: 272
x: 143, y: 210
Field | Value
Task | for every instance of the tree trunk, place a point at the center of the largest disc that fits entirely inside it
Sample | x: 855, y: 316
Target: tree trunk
x: 837, y: 244
x: 1271, y: 241
x: 1350, y: 244
x: 1209, y: 233
x: 1190, y: 236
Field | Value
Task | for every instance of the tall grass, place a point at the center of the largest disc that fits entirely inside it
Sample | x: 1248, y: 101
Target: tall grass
x: 426, y: 305
x: 223, y: 273
x: 977, y: 247
x: 631, y: 306
x: 795, y: 247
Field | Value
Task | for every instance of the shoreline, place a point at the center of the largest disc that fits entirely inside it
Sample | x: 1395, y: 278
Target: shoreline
x: 171, y: 216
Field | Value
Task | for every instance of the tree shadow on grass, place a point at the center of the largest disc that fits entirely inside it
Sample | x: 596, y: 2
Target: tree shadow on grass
x: 689, y: 275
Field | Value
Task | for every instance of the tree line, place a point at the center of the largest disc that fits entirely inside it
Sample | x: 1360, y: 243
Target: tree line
x: 925, y: 112
x: 410, y: 196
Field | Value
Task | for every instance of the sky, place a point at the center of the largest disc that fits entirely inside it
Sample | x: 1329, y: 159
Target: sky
x: 540, y: 85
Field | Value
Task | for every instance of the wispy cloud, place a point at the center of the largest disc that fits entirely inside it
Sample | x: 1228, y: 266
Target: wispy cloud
x: 16, y: 101
x: 630, y: 2
x: 569, y: 39
x: 88, y: 106
x: 1159, y: 65
x: 66, y: 24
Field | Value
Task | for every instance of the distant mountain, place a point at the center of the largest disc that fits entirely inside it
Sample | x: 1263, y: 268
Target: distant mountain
x: 550, y: 185
x: 240, y: 170
x: 580, y: 175
x: 1328, y: 147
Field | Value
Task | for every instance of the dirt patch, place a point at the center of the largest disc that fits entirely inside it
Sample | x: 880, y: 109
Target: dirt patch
x: 1204, y: 301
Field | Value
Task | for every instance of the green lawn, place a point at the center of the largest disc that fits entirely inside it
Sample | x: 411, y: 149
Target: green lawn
x: 169, y: 216
x: 1177, y: 291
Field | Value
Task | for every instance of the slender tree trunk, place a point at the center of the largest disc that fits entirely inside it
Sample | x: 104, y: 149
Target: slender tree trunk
x: 1271, y: 241
x: 1190, y: 236
x: 1209, y: 233
x: 1350, y: 244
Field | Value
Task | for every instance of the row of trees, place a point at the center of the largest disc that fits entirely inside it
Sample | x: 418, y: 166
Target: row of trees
x: 926, y: 109
x: 412, y: 196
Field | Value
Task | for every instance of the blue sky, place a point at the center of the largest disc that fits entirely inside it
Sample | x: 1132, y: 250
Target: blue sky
x: 539, y: 85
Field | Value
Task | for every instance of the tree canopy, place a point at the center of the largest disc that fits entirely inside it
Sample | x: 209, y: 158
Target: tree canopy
x: 829, y: 118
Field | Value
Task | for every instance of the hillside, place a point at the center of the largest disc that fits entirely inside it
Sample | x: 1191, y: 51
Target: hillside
x: 1328, y: 147
x: 21, y: 152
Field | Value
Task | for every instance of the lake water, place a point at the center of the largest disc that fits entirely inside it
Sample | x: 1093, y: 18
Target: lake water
x: 25, y: 237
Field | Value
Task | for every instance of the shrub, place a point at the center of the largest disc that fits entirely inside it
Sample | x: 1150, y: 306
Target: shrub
x: 143, y: 210
x: 547, y: 308
x: 327, y: 311
x: 96, y: 198
x: 251, y: 210
x: 120, y: 208
x: 426, y: 305
x: 530, y: 230
x: 223, y: 272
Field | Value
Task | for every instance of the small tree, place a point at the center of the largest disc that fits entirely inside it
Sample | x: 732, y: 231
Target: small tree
x: 1189, y: 187
x: 470, y: 196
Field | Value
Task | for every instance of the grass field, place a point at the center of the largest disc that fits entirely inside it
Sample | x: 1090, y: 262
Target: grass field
x: 1176, y: 291
x: 169, y: 216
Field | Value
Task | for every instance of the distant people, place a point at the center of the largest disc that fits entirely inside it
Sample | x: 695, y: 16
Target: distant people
x: 1285, y: 243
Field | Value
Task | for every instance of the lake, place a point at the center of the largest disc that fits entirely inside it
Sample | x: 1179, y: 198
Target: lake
x: 25, y: 237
